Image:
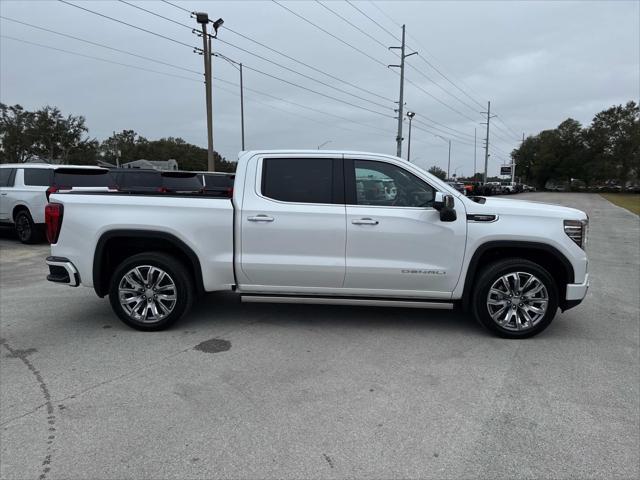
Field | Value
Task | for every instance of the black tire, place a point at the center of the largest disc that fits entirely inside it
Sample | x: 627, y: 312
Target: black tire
x: 491, y: 274
x: 27, y: 231
x: 176, y: 273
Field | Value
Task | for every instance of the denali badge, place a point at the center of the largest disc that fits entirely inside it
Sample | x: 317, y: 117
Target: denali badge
x: 425, y: 272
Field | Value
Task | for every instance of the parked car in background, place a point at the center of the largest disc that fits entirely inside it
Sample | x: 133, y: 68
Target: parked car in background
x: 142, y: 180
x: 25, y: 187
x: 508, y: 187
x: 218, y: 184
x: 459, y: 186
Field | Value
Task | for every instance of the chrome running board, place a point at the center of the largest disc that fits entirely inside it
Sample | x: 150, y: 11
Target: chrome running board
x: 368, y: 302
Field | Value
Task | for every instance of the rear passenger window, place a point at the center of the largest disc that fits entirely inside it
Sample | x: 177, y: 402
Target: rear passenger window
x: 300, y: 180
x: 40, y: 177
x: 7, y: 176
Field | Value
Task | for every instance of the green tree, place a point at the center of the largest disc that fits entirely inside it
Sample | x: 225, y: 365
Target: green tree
x: 128, y: 146
x: 608, y: 149
x: 45, y: 133
x: 15, y: 142
x: 614, y: 143
x: 438, y: 172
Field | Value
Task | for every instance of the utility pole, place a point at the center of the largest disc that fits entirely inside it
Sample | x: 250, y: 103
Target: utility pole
x: 241, y: 107
x: 449, y: 162
x: 486, y: 142
x: 410, y: 115
x: 203, y: 19
x: 401, y: 99
x: 475, y: 151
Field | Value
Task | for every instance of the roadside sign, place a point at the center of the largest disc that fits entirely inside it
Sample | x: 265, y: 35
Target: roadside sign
x: 505, y: 170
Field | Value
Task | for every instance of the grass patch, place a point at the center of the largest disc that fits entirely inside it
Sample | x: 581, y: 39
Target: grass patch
x: 630, y: 201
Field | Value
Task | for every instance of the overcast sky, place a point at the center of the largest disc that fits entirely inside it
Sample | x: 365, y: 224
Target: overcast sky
x: 538, y: 62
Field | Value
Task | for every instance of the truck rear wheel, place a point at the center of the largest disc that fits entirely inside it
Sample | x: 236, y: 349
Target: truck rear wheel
x: 150, y: 291
x: 515, y: 298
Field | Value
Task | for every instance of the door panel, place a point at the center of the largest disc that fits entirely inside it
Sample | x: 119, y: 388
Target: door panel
x: 395, y: 238
x: 294, y: 244
x: 407, y: 249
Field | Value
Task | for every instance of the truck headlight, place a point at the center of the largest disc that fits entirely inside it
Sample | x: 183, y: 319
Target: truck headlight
x: 577, y: 231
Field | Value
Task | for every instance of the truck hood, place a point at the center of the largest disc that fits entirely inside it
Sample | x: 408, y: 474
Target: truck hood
x: 507, y: 206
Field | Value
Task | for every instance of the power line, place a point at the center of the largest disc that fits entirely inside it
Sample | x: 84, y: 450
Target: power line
x: 331, y: 34
x: 434, y: 67
x: 99, y: 59
x: 419, y: 87
x: 352, y: 24
x: 288, y: 112
x: 101, y: 45
x: 473, y: 109
x: 440, y: 131
x: 363, y: 13
x: 92, y: 57
x: 127, y: 24
x: 278, y: 52
x: 512, y: 131
x: 422, y: 57
x: 284, y: 67
x: 380, y: 43
x: 302, y: 74
x: 158, y: 15
x: 316, y: 92
x: 302, y: 106
x: 306, y: 64
x: 177, y: 6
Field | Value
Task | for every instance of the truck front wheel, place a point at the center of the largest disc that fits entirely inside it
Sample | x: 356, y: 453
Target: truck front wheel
x: 150, y: 291
x: 515, y: 298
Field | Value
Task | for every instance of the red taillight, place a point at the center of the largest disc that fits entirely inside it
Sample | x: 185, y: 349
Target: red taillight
x: 53, y: 221
x: 163, y: 189
x: 56, y: 188
x: 230, y: 192
x: 51, y: 190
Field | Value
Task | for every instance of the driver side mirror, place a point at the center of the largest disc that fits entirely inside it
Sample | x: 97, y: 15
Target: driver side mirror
x: 445, y: 203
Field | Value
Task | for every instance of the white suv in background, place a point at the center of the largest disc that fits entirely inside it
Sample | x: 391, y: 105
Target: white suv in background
x: 23, y: 195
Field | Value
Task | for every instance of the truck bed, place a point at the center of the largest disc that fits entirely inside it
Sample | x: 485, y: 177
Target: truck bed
x: 199, y: 221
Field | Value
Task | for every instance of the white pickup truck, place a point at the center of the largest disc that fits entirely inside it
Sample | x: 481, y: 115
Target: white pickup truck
x: 323, y: 227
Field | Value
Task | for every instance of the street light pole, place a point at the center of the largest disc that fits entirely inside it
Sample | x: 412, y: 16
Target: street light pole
x: 410, y: 115
x: 241, y: 107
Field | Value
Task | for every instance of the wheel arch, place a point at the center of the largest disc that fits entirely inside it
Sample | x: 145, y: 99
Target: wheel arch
x: 17, y: 209
x: 116, y: 245
x: 547, y: 256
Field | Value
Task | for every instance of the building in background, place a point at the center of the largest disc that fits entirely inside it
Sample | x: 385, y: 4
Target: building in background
x: 170, y: 164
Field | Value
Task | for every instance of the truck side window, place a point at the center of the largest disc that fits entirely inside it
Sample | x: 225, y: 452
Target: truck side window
x: 299, y: 180
x: 383, y: 184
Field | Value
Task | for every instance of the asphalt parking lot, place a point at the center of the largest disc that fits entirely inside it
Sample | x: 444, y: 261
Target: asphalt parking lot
x: 298, y: 391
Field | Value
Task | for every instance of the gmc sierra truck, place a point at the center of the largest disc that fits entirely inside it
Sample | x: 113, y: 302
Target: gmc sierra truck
x: 323, y: 227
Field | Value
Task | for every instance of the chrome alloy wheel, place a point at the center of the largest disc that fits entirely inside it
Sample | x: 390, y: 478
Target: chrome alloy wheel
x: 147, y: 293
x: 517, y: 301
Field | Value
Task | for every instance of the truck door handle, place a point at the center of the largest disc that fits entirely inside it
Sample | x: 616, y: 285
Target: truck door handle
x: 365, y: 221
x: 260, y: 218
